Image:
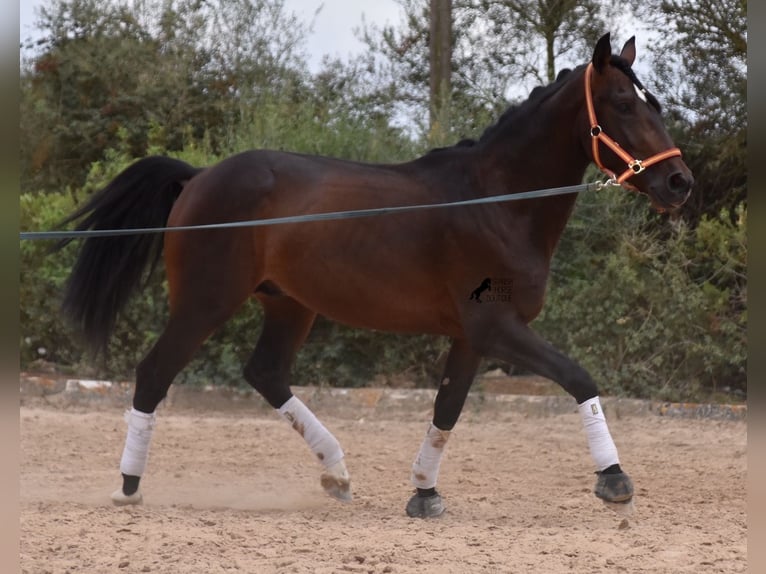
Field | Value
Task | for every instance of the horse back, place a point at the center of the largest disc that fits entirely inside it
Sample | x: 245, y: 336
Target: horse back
x: 406, y: 270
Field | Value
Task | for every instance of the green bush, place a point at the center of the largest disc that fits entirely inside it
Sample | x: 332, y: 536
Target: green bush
x: 333, y: 355
x: 651, y: 310
x: 40, y: 283
x: 650, y: 307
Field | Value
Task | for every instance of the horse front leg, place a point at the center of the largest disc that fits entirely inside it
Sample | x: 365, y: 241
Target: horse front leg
x: 505, y: 337
x: 459, y: 373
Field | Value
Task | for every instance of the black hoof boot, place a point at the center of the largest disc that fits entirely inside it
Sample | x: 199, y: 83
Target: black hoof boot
x: 425, y: 506
x: 616, y: 487
x: 129, y: 494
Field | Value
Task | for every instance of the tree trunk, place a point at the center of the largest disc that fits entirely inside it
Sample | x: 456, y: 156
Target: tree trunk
x: 550, y: 57
x: 441, y: 65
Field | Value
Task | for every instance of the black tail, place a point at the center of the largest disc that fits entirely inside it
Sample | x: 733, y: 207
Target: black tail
x: 109, y: 269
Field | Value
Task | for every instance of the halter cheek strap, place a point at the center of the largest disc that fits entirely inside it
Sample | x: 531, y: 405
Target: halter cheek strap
x: 635, y: 166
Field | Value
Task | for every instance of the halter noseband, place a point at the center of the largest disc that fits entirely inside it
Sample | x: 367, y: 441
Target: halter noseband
x: 635, y: 166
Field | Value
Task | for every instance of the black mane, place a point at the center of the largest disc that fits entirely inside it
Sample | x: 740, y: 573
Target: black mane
x: 465, y: 142
x: 541, y: 93
x: 537, y: 96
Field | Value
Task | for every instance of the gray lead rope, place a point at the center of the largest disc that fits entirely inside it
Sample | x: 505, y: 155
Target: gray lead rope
x: 33, y: 235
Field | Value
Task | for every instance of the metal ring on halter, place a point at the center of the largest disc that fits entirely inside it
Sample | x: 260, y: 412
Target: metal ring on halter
x: 637, y: 166
x: 595, y: 131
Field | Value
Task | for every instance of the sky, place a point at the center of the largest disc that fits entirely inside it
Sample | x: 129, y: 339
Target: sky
x: 333, y: 28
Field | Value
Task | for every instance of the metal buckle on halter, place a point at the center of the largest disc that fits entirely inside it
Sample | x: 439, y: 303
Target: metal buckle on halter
x: 637, y: 166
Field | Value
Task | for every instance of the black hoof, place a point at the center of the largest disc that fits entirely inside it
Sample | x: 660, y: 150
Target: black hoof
x: 614, y: 487
x: 425, y: 506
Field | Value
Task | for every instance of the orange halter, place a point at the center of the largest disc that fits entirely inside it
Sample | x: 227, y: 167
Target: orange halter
x: 635, y: 166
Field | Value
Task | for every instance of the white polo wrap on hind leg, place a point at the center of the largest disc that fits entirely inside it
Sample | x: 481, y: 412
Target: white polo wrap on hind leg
x: 136, y: 452
x: 321, y: 441
x: 602, y: 448
x: 425, y: 469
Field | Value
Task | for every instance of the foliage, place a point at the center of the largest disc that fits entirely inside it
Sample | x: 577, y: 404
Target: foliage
x: 396, y: 64
x: 702, y: 68
x: 501, y: 50
x: 652, y: 306
x: 648, y: 313
x: 43, y: 334
x: 651, y: 313
x: 530, y: 41
x: 105, y: 69
x: 334, y: 354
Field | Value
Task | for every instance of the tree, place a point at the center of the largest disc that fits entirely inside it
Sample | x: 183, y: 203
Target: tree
x: 440, y: 63
x: 702, y: 65
x: 537, y: 38
x: 500, y: 50
x: 141, y: 73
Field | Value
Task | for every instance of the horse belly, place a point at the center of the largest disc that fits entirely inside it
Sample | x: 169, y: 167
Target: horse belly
x: 389, y: 288
x: 394, y: 312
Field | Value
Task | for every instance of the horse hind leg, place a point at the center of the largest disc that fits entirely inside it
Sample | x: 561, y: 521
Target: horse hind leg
x: 189, y: 325
x: 285, y: 327
x: 459, y: 373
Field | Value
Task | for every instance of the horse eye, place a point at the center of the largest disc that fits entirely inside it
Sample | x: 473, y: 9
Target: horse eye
x: 624, y: 107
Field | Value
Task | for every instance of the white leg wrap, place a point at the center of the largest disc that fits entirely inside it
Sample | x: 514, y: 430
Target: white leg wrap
x: 136, y: 452
x: 425, y: 469
x: 321, y: 442
x: 602, y: 447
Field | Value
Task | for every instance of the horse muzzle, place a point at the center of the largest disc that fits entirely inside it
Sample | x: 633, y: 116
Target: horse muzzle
x: 671, y: 192
x: 679, y: 187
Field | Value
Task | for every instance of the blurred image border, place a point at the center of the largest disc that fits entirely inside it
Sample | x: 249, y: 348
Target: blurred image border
x: 9, y: 263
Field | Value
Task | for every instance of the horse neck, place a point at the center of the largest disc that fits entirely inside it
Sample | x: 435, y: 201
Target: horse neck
x: 539, y: 149
x: 540, y: 144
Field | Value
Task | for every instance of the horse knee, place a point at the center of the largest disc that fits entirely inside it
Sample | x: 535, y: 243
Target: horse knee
x: 580, y: 385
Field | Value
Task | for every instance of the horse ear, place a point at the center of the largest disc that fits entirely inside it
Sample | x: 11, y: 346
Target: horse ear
x: 629, y: 50
x: 602, y: 53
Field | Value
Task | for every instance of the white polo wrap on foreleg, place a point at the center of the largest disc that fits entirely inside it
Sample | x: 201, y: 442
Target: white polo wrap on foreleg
x: 136, y: 452
x: 425, y: 469
x: 602, y: 448
x: 321, y: 441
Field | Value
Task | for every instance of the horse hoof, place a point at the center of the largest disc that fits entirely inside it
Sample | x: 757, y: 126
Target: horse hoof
x: 425, y: 506
x: 119, y: 498
x: 336, y: 482
x: 614, y: 487
x: 624, y: 509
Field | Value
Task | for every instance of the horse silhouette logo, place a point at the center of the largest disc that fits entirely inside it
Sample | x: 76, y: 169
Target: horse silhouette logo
x: 486, y: 285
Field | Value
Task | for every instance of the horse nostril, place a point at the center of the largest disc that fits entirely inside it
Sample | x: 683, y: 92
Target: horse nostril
x: 679, y: 184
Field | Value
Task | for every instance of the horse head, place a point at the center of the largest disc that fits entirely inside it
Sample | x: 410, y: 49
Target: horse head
x: 626, y: 136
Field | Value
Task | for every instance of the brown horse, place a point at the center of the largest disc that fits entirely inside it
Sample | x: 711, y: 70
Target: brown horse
x: 438, y: 257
